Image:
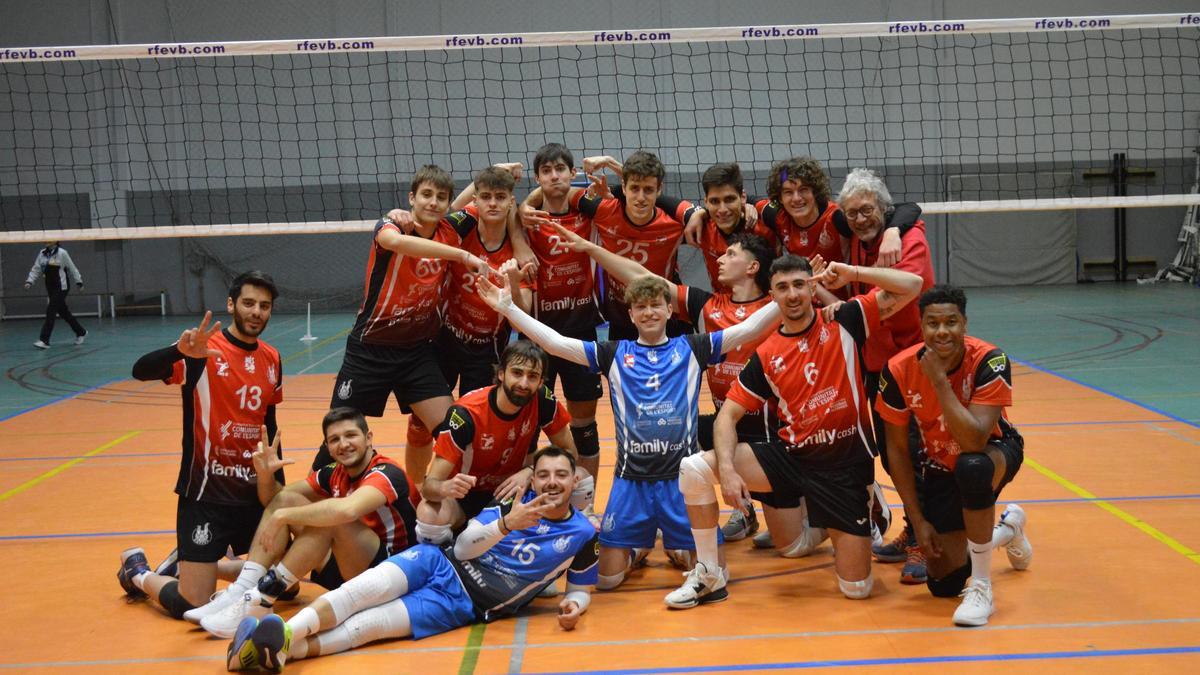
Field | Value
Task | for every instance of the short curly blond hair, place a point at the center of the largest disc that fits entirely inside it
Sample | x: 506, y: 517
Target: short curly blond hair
x: 647, y: 287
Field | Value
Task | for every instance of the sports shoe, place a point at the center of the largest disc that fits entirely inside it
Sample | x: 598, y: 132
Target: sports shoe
x: 763, y: 540
x: 291, y: 593
x: 169, y: 567
x: 701, y: 586
x: 242, y: 653
x: 806, y: 543
x: 896, y: 550
x: 976, y: 606
x: 133, y: 563
x: 739, y: 526
x: 80, y: 338
x: 219, y: 601
x: 915, y: 571
x: 637, y: 557
x: 224, y: 623
x: 881, y: 512
x: 41, y: 345
x: 273, y: 639
x: 1019, y: 550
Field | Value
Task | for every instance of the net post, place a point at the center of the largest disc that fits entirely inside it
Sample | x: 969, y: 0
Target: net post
x: 308, y: 336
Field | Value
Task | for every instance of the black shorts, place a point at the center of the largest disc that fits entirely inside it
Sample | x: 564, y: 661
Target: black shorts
x: 370, y: 373
x: 471, y: 367
x: 941, y: 502
x: 705, y: 437
x: 838, y: 498
x: 329, y: 577
x: 475, y: 502
x: 204, y: 530
x: 579, y: 384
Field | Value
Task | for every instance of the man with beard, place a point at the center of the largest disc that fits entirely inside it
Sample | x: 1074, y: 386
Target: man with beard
x: 232, y: 382
x: 482, y: 447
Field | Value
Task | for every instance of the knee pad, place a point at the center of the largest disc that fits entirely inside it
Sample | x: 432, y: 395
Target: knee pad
x: 584, y: 492
x: 172, y: 601
x: 607, y: 582
x: 378, y: 623
x: 973, y: 472
x: 857, y: 590
x: 587, y: 440
x: 372, y: 588
x: 950, y: 585
x: 418, y: 433
x: 428, y: 533
x: 696, y: 480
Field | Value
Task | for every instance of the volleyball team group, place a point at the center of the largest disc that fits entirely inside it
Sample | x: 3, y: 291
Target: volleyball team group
x: 824, y: 342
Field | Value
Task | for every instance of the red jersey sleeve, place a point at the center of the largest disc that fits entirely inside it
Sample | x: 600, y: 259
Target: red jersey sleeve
x: 178, y: 372
x: 558, y: 421
x: 751, y: 390
x: 890, y: 403
x: 993, y: 380
x: 380, y: 481
x: 455, y: 436
x: 319, y: 479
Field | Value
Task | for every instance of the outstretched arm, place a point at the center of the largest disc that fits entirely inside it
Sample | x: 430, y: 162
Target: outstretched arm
x: 758, y: 324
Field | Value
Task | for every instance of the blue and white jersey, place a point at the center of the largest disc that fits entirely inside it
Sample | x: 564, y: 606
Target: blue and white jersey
x: 655, y: 399
x: 511, y: 573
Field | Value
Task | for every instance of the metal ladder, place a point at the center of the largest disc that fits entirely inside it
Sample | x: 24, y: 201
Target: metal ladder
x: 1186, y: 265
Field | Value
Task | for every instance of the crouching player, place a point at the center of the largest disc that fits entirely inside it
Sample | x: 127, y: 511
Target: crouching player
x: 957, y: 387
x: 498, y: 564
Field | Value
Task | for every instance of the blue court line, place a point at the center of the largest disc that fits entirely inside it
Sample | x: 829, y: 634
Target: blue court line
x: 83, y: 535
x: 1115, y: 395
x: 859, y: 663
x: 60, y: 398
x: 1024, y: 425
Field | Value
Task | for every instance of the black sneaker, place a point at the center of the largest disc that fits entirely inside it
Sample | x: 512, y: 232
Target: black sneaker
x: 133, y: 563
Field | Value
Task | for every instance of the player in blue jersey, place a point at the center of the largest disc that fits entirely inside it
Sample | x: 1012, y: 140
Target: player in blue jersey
x: 654, y: 386
x: 498, y: 564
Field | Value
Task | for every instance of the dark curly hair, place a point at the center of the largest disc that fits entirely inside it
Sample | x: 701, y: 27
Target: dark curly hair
x: 804, y: 169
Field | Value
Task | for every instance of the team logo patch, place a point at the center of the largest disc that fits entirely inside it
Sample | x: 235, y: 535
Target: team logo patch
x: 271, y: 375
x: 456, y: 420
x: 345, y: 390
x: 777, y: 363
x: 202, y: 535
x: 410, y: 554
x: 248, y: 364
x: 609, y: 523
x: 804, y: 239
x: 543, y: 528
x: 629, y: 360
x: 998, y: 363
x: 824, y: 335
x: 825, y: 240
x: 525, y: 427
x: 914, y: 400
x: 562, y: 544
x: 740, y: 312
x: 652, y: 356
x: 225, y: 429
x: 222, y: 367
x: 715, y: 315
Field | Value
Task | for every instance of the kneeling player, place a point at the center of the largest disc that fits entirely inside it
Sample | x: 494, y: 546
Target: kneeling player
x: 957, y: 387
x: 350, y: 515
x: 499, y: 563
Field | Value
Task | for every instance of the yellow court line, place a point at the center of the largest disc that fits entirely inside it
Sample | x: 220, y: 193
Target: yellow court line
x: 1133, y: 520
x: 66, y: 465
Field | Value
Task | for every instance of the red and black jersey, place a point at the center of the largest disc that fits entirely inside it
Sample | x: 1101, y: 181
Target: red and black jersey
x: 395, y: 520
x: 710, y: 312
x: 816, y: 378
x: 565, y: 297
x: 984, y: 376
x: 481, y: 441
x: 902, y: 329
x: 821, y: 237
x: 653, y: 245
x: 466, y: 315
x: 226, y: 401
x: 402, y: 295
x: 714, y: 243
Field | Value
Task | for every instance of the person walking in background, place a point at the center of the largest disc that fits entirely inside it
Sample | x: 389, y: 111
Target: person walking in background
x: 56, y: 265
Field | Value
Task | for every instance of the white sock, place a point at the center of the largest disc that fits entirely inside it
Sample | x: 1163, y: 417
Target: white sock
x: 251, y: 573
x: 140, y: 580
x: 1001, y: 535
x: 299, y: 649
x: 981, y: 560
x: 706, y: 547
x: 285, y: 575
x: 305, y: 623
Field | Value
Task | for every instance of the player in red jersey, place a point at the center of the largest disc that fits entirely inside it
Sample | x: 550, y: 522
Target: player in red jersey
x: 565, y: 294
x: 390, y: 349
x: 723, y: 215
x: 956, y: 387
x: 482, y: 447
x: 349, y: 516
x: 232, y: 382
x: 869, y: 210
x: 824, y: 448
x: 639, y: 222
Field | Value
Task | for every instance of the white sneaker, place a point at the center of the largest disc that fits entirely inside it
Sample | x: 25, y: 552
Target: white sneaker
x: 976, y: 606
x: 41, y: 345
x: 1019, y: 550
x: 763, y: 540
x: 700, y: 586
x: 224, y: 623
x: 219, y: 601
x: 806, y: 543
x: 80, y: 338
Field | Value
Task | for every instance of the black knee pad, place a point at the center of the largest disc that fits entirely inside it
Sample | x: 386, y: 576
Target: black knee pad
x: 973, y: 473
x: 587, y: 440
x: 172, y: 601
x: 950, y: 585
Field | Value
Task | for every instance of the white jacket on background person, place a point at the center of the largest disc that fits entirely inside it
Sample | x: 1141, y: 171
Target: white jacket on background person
x: 54, y: 260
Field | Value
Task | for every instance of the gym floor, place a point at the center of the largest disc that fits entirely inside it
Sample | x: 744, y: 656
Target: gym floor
x: 1107, y: 389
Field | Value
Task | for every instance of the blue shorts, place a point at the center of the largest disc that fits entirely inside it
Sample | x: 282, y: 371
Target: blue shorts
x: 637, y: 509
x: 436, y: 600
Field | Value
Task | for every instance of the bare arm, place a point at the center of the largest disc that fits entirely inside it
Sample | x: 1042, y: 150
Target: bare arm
x: 896, y: 287
x: 971, y: 426
x: 622, y: 269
